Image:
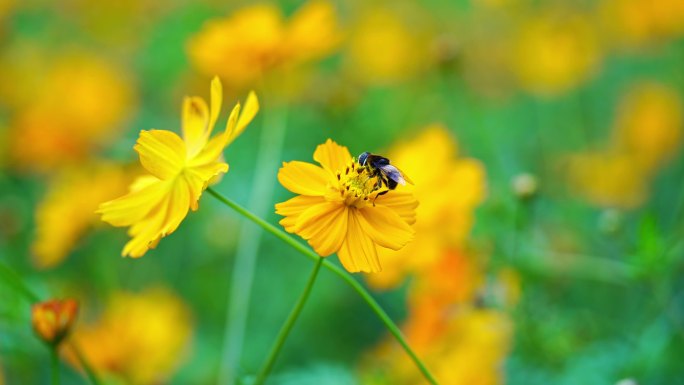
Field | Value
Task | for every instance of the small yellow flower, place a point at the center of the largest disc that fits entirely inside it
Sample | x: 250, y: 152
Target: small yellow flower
x: 52, y: 320
x: 340, y: 209
x: 138, y: 339
x: 245, y: 47
x: 179, y: 171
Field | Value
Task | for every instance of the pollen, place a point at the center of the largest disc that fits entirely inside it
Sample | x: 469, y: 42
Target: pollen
x: 359, y: 187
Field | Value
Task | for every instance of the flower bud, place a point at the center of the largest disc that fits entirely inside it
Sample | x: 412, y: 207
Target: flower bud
x: 53, y: 319
x: 525, y: 185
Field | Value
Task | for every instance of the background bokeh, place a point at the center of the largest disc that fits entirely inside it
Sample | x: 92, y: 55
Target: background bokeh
x: 544, y: 139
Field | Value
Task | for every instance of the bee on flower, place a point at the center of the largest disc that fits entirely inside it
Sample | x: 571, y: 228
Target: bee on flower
x: 343, y: 207
x: 179, y: 170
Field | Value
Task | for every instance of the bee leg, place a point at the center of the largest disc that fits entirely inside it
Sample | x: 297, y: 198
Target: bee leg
x: 376, y: 197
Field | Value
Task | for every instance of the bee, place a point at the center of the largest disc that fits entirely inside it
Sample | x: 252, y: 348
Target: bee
x: 387, y: 174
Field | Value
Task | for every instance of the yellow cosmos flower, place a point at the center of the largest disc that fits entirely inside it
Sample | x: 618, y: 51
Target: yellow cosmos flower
x: 341, y: 210
x: 74, y: 194
x: 255, y: 41
x: 49, y: 130
x: 179, y: 171
x: 139, y: 339
x: 555, y: 52
x: 446, y: 213
x: 649, y: 124
x: 639, y: 22
x: 386, y: 47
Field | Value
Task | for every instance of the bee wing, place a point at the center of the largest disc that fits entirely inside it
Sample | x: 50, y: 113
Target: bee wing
x: 393, y: 173
x: 403, y: 174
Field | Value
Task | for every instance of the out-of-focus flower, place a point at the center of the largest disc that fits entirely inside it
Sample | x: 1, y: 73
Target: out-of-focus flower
x: 469, y: 348
x: 386, y: 46
x: 647, y: 133
x: 256, y: 41
x: 78, y: 107
x: 608, y: 179
x: 179, y: 171
x: 53, y: 319
x: 340, y: 209
x: 68, y: 209
x: 6, y: 7
x: 139, y: 338
x: 449, y: 191
x: 649, y: 124
x: 555, y: 51
x: 639, y: 22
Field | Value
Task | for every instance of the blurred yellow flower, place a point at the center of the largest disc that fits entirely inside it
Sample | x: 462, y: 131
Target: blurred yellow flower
x: 647, y: 133
x: 179, y: 171
x: 385, y: 47
x: 555, y: 51
x: 68, y: 209
x: 449, y: 191
x: 53, y: 319
x: 139, y: 338
x: 469, y: 348
x: 649, y: 124
x: 608, y: 179
x: 65, y: 119
x: 256, y: 41
x: 639, y: 22
x: 340, y: 209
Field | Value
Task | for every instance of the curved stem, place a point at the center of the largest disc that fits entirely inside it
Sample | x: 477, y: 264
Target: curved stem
x: 280, y: 234
x: 272, y: 136
x: 287, y: 326
x: 54, y: 365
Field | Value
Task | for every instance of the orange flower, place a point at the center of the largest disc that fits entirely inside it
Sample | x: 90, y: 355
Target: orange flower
x: 52, y: 320
x: 340, y: 209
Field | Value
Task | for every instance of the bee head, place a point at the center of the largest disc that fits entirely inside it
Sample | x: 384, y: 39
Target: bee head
x: 363, y: 157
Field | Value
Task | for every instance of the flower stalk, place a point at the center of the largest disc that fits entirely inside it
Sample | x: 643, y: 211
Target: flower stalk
x: 377, y: 309
x: 287, y: 326
x: 54, y: 364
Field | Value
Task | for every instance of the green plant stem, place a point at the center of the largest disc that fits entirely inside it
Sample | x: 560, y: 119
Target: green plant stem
x: 54, y: 360
x: 90, y: 373
x: 10, y: 277
x: 280, y: 234
x: 237, y: 308
x: 287, y: 326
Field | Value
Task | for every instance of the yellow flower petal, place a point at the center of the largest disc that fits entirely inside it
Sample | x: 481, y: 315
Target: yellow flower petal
x: 385, y: 227
x: 292, y: 208
x: 332, y: 156
x: 135, y: 205
x: 196, y: 128
x: 198, y: 178
x: 358, y: 252
x: 216, y: 91
x: 162, y: 153
x: 324, y: 226
x: 303, y: 178
x: 402, y: 202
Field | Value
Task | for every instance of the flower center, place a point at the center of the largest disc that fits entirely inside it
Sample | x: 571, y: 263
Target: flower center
x: 358, y: 186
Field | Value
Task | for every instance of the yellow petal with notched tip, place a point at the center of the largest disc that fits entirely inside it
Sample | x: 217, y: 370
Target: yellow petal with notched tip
x: 303, y: 178
x: 162, y: 153
x: 332, y: 156
x: 385, y: 227
x: 358, y: 252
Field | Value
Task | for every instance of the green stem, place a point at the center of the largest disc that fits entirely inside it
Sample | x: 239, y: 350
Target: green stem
x: 287, y: 326
x: 11, y: 278
x: 90, y: 373
x: 54, y: 359
x: 237, y: 309
x: 393, y: 329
